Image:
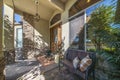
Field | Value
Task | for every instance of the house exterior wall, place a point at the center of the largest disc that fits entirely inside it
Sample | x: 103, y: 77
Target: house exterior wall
x: 8, y: 28
x: 36, y: 35
x: 42, y: 29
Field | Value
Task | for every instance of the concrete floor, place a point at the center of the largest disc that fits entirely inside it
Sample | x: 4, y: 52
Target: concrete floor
x: 15, y: 70
x: 32, y: 70
x: 64, y: 74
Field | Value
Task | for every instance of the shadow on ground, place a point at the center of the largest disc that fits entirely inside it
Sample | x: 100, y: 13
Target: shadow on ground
x: 15, y: 70
x: 31, y: 70
x: 63, y: 74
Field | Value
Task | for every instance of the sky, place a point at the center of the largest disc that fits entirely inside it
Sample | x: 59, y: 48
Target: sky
x: 17, y: 18
x: 104, y: 2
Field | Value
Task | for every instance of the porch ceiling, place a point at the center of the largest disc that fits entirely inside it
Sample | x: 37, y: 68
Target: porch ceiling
x: 46, y: 7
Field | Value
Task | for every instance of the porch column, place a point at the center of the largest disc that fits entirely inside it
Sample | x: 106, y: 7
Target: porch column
x: 1, y: 27
x: 2, y: 61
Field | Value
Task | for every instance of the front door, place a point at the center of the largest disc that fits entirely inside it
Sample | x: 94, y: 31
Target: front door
x: 55, y: 37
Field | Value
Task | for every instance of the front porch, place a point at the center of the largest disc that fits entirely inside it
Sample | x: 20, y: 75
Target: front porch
x: 37, y: 34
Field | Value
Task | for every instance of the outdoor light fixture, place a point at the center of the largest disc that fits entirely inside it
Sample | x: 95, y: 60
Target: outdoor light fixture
x: 36, y: 16
x: 88, y: 1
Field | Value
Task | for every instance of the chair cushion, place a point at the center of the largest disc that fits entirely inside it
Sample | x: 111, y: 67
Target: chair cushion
x: 85, y: 63
x: 75, y: 62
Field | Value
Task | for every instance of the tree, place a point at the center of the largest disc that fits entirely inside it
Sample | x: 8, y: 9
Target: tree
x: 99, y: 25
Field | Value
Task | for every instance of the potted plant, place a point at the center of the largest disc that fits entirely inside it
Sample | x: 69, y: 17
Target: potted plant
x: 58, y: 52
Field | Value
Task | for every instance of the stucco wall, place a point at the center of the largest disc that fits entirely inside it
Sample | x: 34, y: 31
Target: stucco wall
x: 36, y: 35
x: 42, y: 29
x: 8, y: 28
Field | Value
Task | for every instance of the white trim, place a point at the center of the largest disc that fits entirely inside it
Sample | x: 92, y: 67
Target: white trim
x: 85, y: 30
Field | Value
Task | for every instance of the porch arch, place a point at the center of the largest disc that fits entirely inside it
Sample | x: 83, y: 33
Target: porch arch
x: 56, y: 18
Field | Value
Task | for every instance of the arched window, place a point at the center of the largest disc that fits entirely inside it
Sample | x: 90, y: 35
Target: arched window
x: 56, y: 18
